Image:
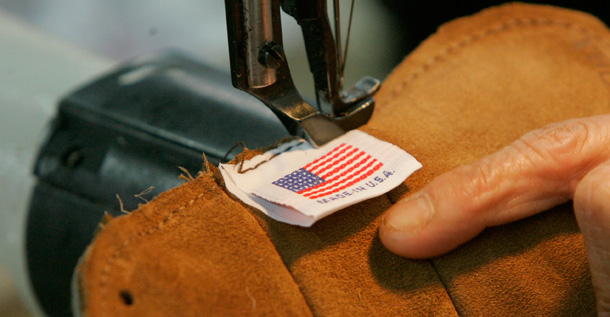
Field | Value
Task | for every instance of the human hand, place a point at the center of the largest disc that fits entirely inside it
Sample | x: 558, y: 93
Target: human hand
x: 544, y: 168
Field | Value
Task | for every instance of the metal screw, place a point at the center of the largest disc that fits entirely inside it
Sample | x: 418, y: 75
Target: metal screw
x: 271, y: 55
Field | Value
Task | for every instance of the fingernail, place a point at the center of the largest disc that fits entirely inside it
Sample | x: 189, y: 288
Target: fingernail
x: 411, y: 215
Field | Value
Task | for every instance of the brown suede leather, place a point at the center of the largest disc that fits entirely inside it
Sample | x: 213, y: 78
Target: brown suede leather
x: 193, y: 250
x: 473, y: 87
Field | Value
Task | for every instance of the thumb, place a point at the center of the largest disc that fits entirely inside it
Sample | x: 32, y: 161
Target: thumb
x: 592, y: 208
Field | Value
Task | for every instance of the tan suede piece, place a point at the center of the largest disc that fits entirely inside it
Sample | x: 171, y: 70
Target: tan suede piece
x: 475, y: 86
x: 472, y: 88
x: 193, y: 251
x: 343, y: 269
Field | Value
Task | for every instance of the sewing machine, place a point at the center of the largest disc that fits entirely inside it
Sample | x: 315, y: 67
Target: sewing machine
x: 131, y: 128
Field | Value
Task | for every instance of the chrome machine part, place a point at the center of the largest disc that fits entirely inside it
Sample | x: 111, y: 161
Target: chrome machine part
x: 255, y: 40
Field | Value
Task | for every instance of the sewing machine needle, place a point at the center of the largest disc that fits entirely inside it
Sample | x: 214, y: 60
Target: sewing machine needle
x: 338, y: 34
x: 349, y: 31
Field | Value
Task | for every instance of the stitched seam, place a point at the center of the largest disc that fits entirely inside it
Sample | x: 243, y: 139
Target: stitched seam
x: 241, y: 163
x: 108, y: 266
x: 467, y: 40
x: 495, y: 29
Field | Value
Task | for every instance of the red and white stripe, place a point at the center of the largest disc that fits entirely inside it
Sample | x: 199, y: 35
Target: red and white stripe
x: 341, y: 168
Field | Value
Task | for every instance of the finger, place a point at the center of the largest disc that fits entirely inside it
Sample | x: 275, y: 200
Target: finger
x: 536, y: 172
x: 592, y: 208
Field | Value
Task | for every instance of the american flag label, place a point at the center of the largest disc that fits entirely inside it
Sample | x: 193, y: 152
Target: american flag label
x: 342, y: 167
x: 299, y: 184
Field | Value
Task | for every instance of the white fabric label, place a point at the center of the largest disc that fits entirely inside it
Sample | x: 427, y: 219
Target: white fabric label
x: 298, y: 184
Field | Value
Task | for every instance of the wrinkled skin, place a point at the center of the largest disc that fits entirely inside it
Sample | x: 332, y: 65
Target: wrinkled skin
x: 546, y: 167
